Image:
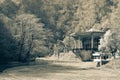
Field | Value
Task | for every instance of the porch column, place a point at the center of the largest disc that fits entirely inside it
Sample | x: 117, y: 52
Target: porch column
x: 92, y: 42
x: 75, y: 43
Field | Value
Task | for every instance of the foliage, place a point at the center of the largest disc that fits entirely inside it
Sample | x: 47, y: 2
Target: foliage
x: 35, y: 26
x: 111, y: 40
x: 8, y: 8
x: 8, y: 46
x: 29, y: 32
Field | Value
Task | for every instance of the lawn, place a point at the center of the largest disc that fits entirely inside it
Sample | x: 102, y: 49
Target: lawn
x: 59, y: 70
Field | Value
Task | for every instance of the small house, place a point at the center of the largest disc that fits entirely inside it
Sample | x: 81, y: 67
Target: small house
x: 89, y: 43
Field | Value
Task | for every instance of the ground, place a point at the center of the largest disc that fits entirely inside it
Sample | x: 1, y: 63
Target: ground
x: 59, y: 70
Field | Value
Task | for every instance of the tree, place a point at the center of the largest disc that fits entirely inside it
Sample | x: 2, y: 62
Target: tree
x: 28, y: 30
x: 8, y: 8
x: 8, y: 46
x: 110, y: 42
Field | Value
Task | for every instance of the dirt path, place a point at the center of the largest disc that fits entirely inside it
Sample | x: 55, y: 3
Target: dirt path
x: 57, y: 70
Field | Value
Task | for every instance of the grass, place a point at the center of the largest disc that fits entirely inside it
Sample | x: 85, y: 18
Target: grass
x: 57, y: 70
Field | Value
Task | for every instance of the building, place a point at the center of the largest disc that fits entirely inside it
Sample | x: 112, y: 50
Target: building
x: 89, y: 43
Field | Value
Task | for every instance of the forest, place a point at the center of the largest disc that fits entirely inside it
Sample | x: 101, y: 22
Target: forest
x: 30, y: 28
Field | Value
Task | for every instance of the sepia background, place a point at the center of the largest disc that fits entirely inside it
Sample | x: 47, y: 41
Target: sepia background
x: 53, y: 39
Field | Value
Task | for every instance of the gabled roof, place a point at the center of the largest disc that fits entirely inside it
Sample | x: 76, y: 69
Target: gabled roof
x: 87, y: 34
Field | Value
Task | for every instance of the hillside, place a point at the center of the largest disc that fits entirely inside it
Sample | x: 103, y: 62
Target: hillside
x: 34, y: 27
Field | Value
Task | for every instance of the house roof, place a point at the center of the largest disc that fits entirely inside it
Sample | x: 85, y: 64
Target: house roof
x: 87, y: 34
